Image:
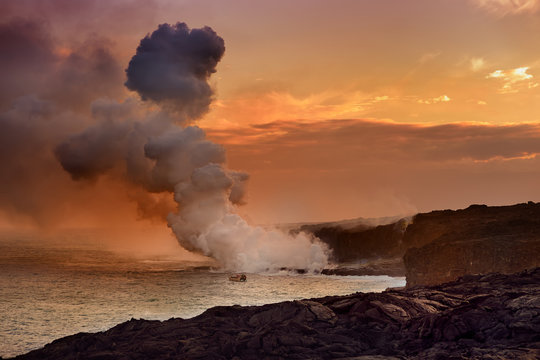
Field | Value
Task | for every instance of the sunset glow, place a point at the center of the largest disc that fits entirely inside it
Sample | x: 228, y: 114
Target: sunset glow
x: 253, y: 179
x: 335, y: 109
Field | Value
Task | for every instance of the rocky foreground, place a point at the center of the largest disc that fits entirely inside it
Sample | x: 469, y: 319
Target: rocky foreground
x: 477, y: 317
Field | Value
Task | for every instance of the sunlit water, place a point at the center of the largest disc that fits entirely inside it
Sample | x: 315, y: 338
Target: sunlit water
x: 50, y: 292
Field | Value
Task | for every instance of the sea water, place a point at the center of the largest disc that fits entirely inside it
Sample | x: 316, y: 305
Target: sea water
x: 47, y: 292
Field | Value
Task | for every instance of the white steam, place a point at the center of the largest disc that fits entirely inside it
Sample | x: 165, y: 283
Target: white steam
x: 207, y: 222
x: 162, y: 154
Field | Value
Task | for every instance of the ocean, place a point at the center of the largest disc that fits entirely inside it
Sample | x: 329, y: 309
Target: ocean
x: 48, y: 291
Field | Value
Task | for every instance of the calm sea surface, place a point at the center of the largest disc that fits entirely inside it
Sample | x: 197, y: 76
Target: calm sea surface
x: 47, y: 292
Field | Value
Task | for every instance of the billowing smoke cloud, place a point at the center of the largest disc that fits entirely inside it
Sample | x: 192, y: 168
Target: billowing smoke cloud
x: 94, y: 151
x: 45, y: 90
x: 171, y: 68
x: 122, y: 149
x: 177, y: 153
x: 206, y: 221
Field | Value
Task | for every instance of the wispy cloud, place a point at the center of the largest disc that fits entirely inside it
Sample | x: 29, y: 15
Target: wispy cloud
x: 477, y: 63
x: 435, y: 100
x: 429, y: 56
x: 274, y: 106
x: 508, y: 7
x: 513, y: 79
x: 367, y: 140
x: 355, y: 161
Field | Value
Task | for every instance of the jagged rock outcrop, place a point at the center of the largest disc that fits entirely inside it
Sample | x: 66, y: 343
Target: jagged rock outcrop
x: 444, y: 245
x: 478, y: 317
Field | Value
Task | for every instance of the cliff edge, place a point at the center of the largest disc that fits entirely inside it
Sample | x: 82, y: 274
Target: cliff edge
x: 440, y: 246
x: 444, y: 245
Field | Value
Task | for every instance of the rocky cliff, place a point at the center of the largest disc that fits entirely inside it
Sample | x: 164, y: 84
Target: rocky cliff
x: 439, y: 246
x: 362, y: 246
x: 478, y: 317
x: 444, y: 245
x: 362, y: 241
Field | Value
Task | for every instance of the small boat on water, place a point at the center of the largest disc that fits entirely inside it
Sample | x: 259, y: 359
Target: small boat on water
x: 238, y: 277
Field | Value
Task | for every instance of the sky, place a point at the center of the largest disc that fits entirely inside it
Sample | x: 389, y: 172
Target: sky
x: 336, y: 109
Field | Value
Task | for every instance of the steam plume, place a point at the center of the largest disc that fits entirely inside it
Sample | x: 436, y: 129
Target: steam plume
x: 171, y: 68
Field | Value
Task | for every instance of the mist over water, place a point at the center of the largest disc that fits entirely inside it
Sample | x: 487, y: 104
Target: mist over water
x: 47, y: 292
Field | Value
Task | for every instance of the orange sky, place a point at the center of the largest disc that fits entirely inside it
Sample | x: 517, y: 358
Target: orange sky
x: 340, y: 109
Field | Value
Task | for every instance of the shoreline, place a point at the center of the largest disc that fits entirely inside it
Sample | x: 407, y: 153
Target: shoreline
x: 473, y: 317
x: 30, y: 325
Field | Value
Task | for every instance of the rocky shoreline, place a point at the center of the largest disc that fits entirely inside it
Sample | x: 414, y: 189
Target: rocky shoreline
x: 491, y: 316
x: 390, y: 267
x: 444, y: 245
x: 436, y: 247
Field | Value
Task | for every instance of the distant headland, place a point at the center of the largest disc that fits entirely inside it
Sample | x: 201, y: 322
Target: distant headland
x: 431, y: 248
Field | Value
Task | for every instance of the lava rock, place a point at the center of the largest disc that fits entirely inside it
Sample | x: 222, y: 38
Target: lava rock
x: 494, y: 316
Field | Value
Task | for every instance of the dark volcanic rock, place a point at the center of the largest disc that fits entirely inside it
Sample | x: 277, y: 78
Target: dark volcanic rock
x: 362, y: 241
x: 478, y: 317
x: 391, y: 267
x: 363, y: 248
x: 438, y: 246
x: 444, y: 245
x: 476, y: 220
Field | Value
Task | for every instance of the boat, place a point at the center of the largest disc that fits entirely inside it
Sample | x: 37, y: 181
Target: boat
x: 238, y: 277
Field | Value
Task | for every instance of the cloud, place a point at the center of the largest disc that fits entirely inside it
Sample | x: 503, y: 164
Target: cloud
x: 88, y: 71
x: 279, y: 105
x: 427, y: 57
x: 477, y: 64
x: 360, y: 163
x: 45, y: 97
x: 508, y: 7
x: 159, y: 154
x: 35, y: 189
x: 513, y: 80
x: 32, y: 62
x: 27, y: 57
x: 435, y: 100
x: 367, y: 141
x: 172, y: 67
x: 94, y: 151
